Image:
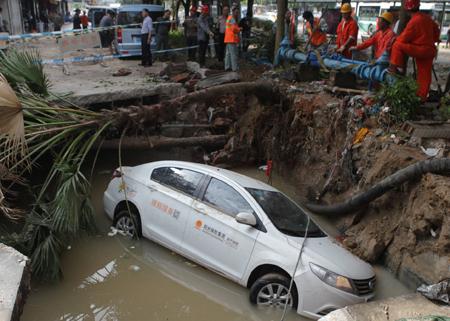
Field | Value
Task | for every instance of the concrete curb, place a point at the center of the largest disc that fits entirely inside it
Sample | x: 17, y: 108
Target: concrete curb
x: 15, y: 277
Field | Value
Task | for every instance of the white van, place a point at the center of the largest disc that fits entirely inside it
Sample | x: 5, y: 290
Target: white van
x: 129, y: 38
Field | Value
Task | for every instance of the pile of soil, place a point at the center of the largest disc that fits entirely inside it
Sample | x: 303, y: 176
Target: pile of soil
x: 310, y: 136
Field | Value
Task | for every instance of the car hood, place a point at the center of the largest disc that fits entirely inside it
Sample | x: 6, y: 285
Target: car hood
x: 327, y: 253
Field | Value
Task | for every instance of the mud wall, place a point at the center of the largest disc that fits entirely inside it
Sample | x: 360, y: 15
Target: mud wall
x: 310, y: 138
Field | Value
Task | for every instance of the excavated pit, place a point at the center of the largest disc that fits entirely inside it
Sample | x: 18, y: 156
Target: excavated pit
x: 310, y: 139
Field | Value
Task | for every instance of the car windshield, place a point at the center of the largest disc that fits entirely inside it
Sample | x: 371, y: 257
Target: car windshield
x: 287, y: 216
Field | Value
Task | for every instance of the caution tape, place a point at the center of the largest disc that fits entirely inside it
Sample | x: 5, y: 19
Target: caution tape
x: 53, y: 34
x: 100, y: 58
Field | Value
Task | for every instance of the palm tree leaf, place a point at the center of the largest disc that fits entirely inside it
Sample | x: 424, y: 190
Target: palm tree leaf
x: 12, y: 131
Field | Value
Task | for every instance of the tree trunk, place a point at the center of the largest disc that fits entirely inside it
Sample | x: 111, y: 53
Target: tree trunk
x: 281, y: 12
x: 250, y: 8
x: 411, y: 172
x: 144, y: 143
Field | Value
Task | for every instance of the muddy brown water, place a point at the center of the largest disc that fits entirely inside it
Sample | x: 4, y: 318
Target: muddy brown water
x: 114, y: 278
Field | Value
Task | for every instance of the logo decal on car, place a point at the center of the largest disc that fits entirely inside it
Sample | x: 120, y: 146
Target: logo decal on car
x: 166, y: 209
x: 219, y: 235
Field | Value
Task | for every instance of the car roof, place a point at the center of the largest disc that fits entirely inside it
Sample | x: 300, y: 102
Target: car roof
x: 242, y: 180
x: 139, y: 7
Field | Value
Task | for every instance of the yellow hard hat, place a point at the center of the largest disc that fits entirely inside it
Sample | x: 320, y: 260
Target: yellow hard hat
x: 388, y: 17
x: 346, y: 8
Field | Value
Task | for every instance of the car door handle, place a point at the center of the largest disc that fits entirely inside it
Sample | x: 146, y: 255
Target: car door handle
x: 151, y: 188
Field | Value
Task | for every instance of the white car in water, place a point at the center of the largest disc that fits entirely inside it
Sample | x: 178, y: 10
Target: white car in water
x: 241, y: 228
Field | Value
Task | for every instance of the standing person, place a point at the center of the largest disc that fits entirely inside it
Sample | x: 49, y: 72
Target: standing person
x: 246, y: 24
x: 146, y: 38
x: 203, y: 34
x: 107, y: 36
x: 222, y: 22
x: 162, y: 32
x: 347, y: 32
x: 382, y: 39
x: 232, y: 41
x: 76, y: 20
x: 84, y: 20
x: 316, y: 29
x: 417, y: 41
x: 190, y: 32
x: 289, y: 27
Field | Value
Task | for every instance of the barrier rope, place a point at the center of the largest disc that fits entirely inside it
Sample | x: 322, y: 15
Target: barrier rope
x: 53, y: 34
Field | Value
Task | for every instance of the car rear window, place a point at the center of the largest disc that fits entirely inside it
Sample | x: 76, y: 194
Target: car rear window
x: 225, y: 198
x: 181, y: 179
x: 133, y: 17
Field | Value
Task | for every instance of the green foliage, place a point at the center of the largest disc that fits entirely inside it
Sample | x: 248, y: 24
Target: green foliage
x: 24, y: 68
x: 177, y: 39
x: 401, y: 98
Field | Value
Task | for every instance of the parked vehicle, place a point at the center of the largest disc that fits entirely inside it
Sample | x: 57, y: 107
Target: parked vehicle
x: 241, y: 228
x: 129, y: 38
x: 96, y: 13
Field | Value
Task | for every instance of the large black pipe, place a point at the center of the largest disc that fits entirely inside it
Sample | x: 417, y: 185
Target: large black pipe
x: 411, y: 172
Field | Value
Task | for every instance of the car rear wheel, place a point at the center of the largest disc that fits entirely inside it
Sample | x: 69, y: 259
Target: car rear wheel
x: 129, y: 223
x: 272, y: 290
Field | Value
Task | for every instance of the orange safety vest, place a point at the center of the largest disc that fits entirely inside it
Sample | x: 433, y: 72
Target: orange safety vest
x: 231, y: 30
x: 317, y: 37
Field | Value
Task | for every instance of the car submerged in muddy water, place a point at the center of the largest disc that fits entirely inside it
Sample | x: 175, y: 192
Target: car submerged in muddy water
x: 240, y: 228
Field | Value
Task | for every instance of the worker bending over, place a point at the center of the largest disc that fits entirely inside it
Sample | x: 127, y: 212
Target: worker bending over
x: 382, y: 39
x: 417, y: 41
x: 347, y: 32
x: 316, y: 29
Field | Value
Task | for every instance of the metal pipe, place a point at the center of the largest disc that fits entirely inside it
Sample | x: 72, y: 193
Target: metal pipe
x: 375, y: 72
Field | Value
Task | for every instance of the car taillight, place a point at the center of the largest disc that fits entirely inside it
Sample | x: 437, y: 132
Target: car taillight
x: 119, y: 35
x: 116, y: 174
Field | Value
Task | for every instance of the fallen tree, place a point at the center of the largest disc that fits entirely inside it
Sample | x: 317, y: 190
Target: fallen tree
x: 144, y: 142
x: 412, y: 172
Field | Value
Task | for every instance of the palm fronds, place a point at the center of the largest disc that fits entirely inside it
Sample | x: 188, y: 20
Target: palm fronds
x: 12, y: 132
x: 24, y: 68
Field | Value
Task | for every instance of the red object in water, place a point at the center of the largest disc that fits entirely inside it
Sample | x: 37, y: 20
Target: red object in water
x: 269, y: 168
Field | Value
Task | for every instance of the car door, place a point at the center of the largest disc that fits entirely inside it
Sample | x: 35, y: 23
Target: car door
x: 213, y: 237
x: 168, y: 206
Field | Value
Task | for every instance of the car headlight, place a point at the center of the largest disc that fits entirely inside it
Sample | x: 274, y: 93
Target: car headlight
x: 331, y: 278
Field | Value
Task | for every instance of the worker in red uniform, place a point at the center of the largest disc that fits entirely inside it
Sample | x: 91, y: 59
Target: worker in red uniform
x: 382, y: 39
x: 347, y: 32
x: 316, y: 29
x: 417, y: 41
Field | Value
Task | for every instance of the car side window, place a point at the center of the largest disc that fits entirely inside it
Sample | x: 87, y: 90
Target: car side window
x: 181, y: 179
x: 226, y: 198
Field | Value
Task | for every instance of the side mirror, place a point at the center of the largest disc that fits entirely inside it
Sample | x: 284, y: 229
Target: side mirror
x: 246, y: 218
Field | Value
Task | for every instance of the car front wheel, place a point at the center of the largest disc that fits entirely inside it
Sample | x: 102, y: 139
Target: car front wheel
x: 272, y: 290
x: 128, y: 223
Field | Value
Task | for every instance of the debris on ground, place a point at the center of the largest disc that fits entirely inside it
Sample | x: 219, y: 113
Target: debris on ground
x: 437, y: 292
x: 122, y: 72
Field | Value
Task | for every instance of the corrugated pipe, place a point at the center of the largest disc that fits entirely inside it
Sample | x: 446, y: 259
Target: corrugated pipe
x: 411, y: 172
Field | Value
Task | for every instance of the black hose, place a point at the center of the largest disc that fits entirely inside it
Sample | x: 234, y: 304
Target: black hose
x: 411, y: 172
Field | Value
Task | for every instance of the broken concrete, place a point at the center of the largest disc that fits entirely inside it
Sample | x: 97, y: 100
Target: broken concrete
x: 406, y: 306
x: 15, y: 275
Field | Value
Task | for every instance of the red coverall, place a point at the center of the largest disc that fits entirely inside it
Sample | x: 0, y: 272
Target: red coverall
x: 418, y: 41
x: 381, y: 40
x: 345, y: 30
